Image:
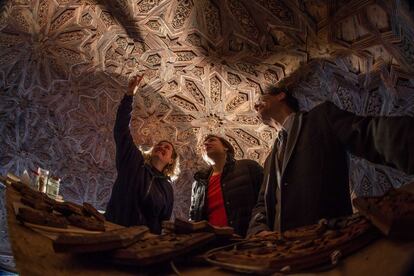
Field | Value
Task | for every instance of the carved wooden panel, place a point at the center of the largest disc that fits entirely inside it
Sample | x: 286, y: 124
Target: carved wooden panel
x: 64, y: 64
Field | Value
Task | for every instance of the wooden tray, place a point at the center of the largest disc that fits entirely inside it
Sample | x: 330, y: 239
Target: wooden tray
x: 52, y: 232
x: 317, y: 246
x: 392, y: 213
x: 158, y: 249
x: 105, y: 241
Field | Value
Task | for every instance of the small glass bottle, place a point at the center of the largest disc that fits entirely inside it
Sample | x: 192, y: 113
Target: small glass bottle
x: 42, y: 180
x: 53, y: 185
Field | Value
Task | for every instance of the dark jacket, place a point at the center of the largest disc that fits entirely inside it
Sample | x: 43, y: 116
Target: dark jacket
x: 314, y: 181
x: 240, y: 184
x: 141, y: 195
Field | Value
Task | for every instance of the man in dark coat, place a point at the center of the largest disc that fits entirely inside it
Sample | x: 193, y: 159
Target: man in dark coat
x: 306, y: 174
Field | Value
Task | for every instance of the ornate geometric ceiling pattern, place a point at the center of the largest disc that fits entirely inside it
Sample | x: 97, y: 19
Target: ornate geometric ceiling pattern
x: 64, y: 65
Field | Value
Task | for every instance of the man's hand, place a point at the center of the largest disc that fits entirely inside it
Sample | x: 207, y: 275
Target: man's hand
x: 134, y: 84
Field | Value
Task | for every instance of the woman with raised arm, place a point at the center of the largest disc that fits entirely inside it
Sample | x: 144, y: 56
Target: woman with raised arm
x: 225, y: 193
x: 142, y: 193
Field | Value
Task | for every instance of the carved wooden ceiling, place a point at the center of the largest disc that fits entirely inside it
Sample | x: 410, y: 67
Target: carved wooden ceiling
x: 64, y: 64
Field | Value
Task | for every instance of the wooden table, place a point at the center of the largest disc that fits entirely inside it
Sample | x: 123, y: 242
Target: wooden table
x: 34, y: 255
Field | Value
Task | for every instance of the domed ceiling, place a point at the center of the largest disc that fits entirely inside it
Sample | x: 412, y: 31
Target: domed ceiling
x: 64, y: 65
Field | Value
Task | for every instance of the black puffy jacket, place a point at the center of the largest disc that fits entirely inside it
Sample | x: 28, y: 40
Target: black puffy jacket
x: 240, y: 184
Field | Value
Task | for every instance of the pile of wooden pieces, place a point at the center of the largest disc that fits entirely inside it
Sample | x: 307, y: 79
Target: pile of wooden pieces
x: 134, y: 245
x: 392, y: 213
x: 180, y: 237
x: 183, y: 226
x: 298, y: 249
x: 38, y: 209
x: 126, y: 245
x: 157, y: 249
x: 105, y: 241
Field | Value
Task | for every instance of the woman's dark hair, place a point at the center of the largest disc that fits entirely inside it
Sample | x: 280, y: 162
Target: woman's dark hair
x: 291, y: 101
x: 230, y: 149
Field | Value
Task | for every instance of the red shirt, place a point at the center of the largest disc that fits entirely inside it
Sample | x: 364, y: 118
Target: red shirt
x: 215, y: 204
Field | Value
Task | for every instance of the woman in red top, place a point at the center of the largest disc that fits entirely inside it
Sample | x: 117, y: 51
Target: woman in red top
x: 226, y: 192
